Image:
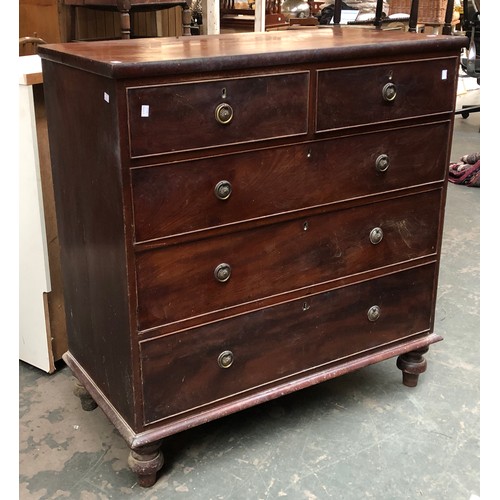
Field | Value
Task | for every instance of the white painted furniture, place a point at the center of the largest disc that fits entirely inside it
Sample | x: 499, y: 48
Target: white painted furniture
x: 34, y: 275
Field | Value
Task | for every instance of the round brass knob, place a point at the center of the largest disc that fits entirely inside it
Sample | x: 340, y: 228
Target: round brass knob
x: 382, y: 163
x: 389, y: 92
x: 224, y: 113
x: 223, y: 190
x: 222, y: 272
x: 225, y: 359
x: 373, y: 313
x: 376, y: 235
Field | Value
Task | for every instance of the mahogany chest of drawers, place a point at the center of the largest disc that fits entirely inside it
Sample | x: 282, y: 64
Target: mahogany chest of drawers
x: 242, y: 216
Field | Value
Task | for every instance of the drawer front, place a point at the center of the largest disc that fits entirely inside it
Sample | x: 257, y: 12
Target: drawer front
x: 189, y: 369
x: 191, y: 196
x: 355, y: 96
x: 187, y: 116
x: 191, y: 279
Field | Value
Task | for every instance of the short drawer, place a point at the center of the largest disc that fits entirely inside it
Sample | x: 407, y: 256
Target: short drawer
x: 201, y: 114
x: 354, y: 96
x: 196, y: 278
x: 210, y: 363
x: 202, y: 194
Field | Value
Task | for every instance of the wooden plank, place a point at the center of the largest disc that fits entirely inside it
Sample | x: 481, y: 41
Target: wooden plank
x: 40, y: 17
x: 171, y: 22
x: 100, y: 25
x: 54, y: 299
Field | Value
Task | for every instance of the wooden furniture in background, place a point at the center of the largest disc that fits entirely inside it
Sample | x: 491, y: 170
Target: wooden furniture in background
x: 293, y: 235
x: 429, y: 11
x: 54, y: 21
x: 28, y: 45
x: 125, y: 8
x: 236, y: 18
x: 98, y: 24
x: 436, y: 14
x: 41, y: 19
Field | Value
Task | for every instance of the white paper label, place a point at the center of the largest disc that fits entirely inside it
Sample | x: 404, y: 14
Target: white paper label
x: 106, y: 97
x: 444, y: 74
x: 144, y: 111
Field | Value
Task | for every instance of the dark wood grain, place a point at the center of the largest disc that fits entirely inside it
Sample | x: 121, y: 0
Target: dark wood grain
x: 178, y: 198
x: 142, y: 232
x: 283, y: 257
x: 124, y: 8
x: 279, y: 108
x: 339, y: 106
x: 173, y: 56
x: 275, y: 343
x: 88, y: 199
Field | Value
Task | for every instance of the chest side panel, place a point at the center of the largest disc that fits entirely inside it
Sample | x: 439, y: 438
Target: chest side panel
x: 86, y: 167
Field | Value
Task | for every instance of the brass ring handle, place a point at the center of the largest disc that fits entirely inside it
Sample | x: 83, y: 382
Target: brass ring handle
x: 382, y: 163
x: 224, y: 113
x: 373, y: 313
x: 222, y: 272
x: 223, y: 190
x: 389, y: 92
x: 225, y: 359
x: 376, y: 235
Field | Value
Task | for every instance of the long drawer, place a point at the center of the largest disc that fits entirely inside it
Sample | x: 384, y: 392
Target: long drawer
x: 195, y: 195
x: 193, y: 115
x: 192, y: 279
x: 360, y: 95
x: 194, y: 368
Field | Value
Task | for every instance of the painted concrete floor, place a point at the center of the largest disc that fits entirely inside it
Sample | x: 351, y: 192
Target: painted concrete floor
x: 363, y: 435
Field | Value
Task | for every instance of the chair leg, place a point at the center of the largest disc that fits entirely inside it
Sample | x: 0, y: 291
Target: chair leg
x: 378, y: 13
x: 337, y: 12
x: 447, y: 29
x: 413, y: 17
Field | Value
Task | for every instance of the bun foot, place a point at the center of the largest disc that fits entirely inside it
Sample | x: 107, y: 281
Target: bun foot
x: 146, y: 462
x: 412, y: 364
x: 86, y: 400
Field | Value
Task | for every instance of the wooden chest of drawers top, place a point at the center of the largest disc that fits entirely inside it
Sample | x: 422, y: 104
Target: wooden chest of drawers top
x: 181, y: 56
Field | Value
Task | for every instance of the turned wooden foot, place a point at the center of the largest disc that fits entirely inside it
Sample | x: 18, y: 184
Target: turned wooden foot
x: 86, y: 400
x: 412, y: 364
x: 187, y: 14
x: 146, y: 462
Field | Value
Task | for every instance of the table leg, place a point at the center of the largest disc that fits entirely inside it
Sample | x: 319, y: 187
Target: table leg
x: 125, y: 23
x: 186, y: 20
